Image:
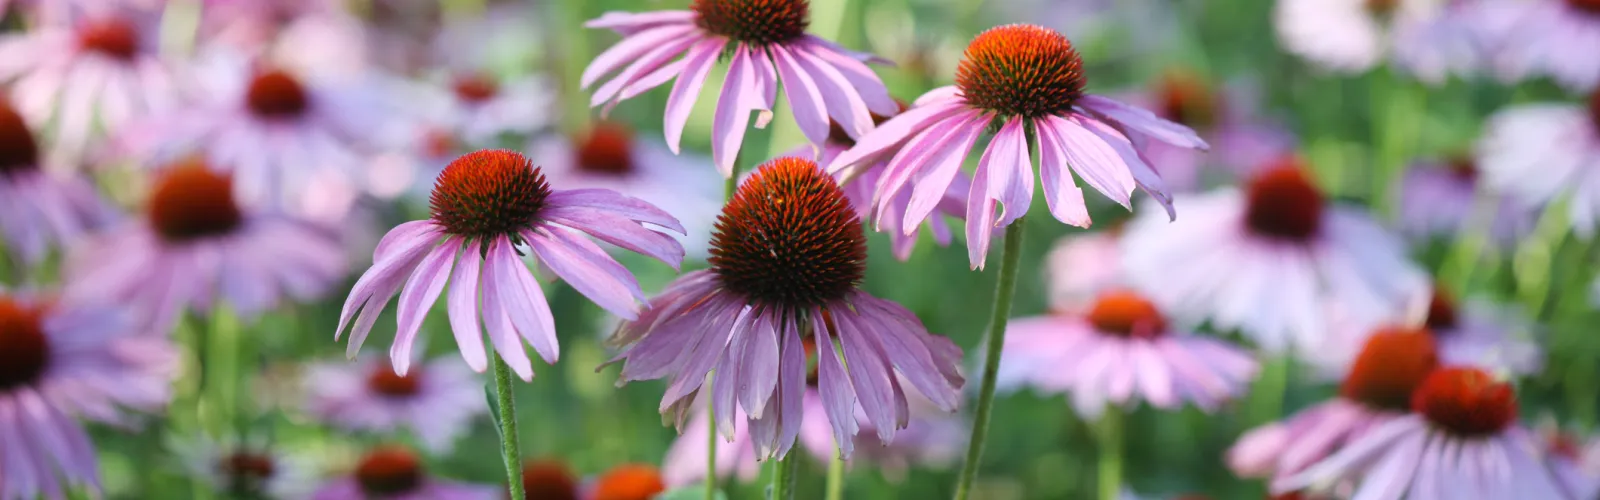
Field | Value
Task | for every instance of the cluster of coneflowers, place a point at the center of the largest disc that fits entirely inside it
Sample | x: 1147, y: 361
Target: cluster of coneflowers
x: 250, y: 167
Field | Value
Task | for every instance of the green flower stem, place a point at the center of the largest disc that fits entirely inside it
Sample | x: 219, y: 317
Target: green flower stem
x: 711, y: 445
x: 836, y: 476
x: 783, y: 476
x: 510, y: 449
x: 1110, y: 433
x: 1010, y: 261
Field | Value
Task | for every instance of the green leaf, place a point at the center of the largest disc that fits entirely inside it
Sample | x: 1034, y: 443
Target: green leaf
x: 494, y: 406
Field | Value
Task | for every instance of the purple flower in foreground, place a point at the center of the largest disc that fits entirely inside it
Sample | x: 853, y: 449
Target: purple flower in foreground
x: 1096, y: 137
x: 1462, y: 440
x: 60, y: 360
x: 40, y: 210
x: 196, y: 246
x: 437, y: 403
x: 394, y: 473
x: 767, y: 41
x: 786, y: 262
x: 484, y: 205
x: 1122, y: 352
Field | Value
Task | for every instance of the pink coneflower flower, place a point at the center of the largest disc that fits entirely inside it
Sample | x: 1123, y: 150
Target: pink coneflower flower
x: 549, y: 480
x: 1462, y: 441
x: 254, y: 24
x: 248, y: 468
x: 1442, y: 200
x: 1120, y: 353
x: 1475, y: 333
x: 1377, y: 390
x: 1094, y: 136
x: 1558, y: 142
x: 767, y: 41
x: 89, y: 76
x: 786, y: 260
x: 1272, y: 261
x: 395, y: 473
x: 40, y: 210
x: 608, y: 157
x: 195, y: 247
x: 1227, y: 118
x: 482, y: 109
x: 291, y: 139
x: 437, y: 402
x: 485, y: 204
x: 860, y: 185
x: 1546, y: 39
x: 65, y: 359
x: 1080, y: 267
x: 1430, y: 39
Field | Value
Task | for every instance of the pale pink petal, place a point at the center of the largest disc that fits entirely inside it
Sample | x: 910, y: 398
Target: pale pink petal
x: 837, y: 396
x: 630, y: 49
x: 810, y: 113
x: 933, y: 187
x: 424, y: 287
x: 862, y: 79
x: 633, y: 21
x: 732, y: 117
x: 1144, y: 122
x: 522, y: 299
x: 1061, y: 193
x: 1094, y: 160
x: 617, y: 203
x: 658, y: 55
x: 620, y: 232
x: 698, y: 62
x: 463, y: 307
x: 654, y: 79
x: 1011, y: 171
x: 931, y: 146
x: 1143, y: 175
x: 590, y: 279
x: 378, y: 285
x: 844, y: 103
x: 894, y: 132
x: 501, y: 332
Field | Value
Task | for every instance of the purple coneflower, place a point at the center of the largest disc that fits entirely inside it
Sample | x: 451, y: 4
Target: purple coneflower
x: 1539, y: 153
x: 860, y: 185
x: 484, y: 205
x: 1443, y: 200
x: 1377, y: 390
x: 248, y: 468
x: 1547, y: 38
x: 482, y: 108
x: 1461, y: 441
x: 40, y: 210
x: 1272, y: 261
x: 395, y: 473
x: 88, y: 76
x: 1121, y: 352
x: 1226, y: 117
x: 62, y: 359
x: 608, y: 157
x: 196, y: 247
x: 254, y: 24
x: 766, y: 40
x: 437, y: 402
x: 1096, y: 137
x: 1080, y: 267
x: 786, y: 261
x: 1474, y: 333
x: 1430, y: 39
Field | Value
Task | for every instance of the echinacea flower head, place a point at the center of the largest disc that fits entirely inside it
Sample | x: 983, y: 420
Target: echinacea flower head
x: 248, y: 467
x: 786, y: 262
x: 1378, y: 388
x: 1543, y: 40
x: 396, y: 473
x: 436, y: 402
x: 195, y: 247
x: 549, y: 480
x: 1559, y: 143
x: 484, y: 205
x: 1467, y: 333
x: 1274, y: 261
x: 40, y: 210
x: 1462, y: 440
x: 88, y: 76
x: 1442, y: 199
x: 481, y: 107
x: 1120, y: 352
x: 61, y: 360
x: 628, y: 482
x: 766, y: 44
x: 1029, y: 80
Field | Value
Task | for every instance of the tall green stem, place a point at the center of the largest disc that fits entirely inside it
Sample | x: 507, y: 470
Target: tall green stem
x: 1110, y: 463
x: 836, y: 476
x: 1010, y: 261
x: 783, y: 476
x: 711, y: 445
x: 510, y: 449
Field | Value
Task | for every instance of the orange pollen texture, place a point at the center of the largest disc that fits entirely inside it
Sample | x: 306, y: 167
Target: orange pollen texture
x: 756, y: 22
x: 114, y: 38
x: 1590, y: 6
x: 488, y: 193
x: 1187, y: 99
x: 247, y: 472
x: 475, y: 88
x: 1467, y: 402
x: 276, y: 94
x: 192, y: 202
x: 1442, y: 316
x: 1021, y: 70
x: 389, y: 470
x: 1127, y: 314
x: 789, y: 238
x: 548, y: 480
x: 629, y: 482
x: 18, y: 150
x: 24, y: 349
x: 1389, y: 367
x: 606, y: 150
x: 384, y: 381
x: 1282, y: 203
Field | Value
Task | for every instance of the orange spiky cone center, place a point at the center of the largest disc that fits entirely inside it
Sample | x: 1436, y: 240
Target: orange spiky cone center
x: 488, y: 193
x: 191, y: 202
x: 1389, y: 368
x: 1127, y: 314
x: 756, y: 22
x: 1467, y: 402
x: 384, y: 381
x: 1021, y: 70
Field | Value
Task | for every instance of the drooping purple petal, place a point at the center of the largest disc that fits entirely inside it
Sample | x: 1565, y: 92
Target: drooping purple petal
x: 586, y: 273
x: 522, y: 299
x: 1011, y: 174
x: 810, y: 113
x: 501, y: 332
x: 980, y: 213
x: 424, y: 287
x: 462, y: 303
x: 698, y: 62
x: 704, y: 355
x: 838, y: 398
x: 1061, y: 193
x: 727, y: 376
x: 406, y: 231
x: 657, y: 56
x: 758, y: 365
x: 1143, y: 175
x: 619, y: 231
x: 373, y: 291
x: 611, y: 201
x: 842, y: 100
x: 906, y: 352
x: 665, y: 349
x: 630, y: 22
x: 868, y: 375
x: 893, y: 133
x: 1093, y: 160
x: 731, y: 117
x: 791, y: 387
x: 934, y: 187
x: 631, y: 49
x: 945, y: 93
x: 863, y: 81
x: 1144, y: 122
x: 684, y: 293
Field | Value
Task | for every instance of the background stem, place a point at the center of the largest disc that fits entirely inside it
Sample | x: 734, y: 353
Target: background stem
x: 1110, y: 462
x: 836, y: 476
